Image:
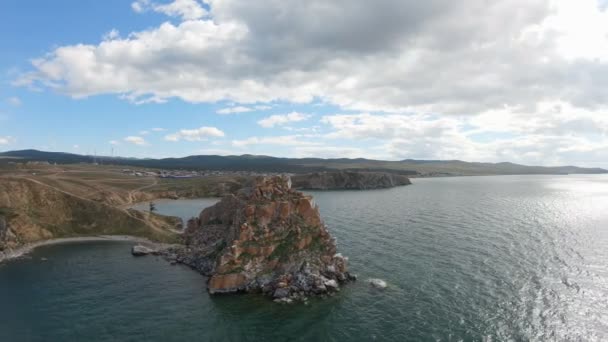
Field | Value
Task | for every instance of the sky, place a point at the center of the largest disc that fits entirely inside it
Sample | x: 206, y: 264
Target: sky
x: 524, y: 81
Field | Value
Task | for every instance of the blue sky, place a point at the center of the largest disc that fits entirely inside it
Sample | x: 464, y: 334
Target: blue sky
x: 393, y: 81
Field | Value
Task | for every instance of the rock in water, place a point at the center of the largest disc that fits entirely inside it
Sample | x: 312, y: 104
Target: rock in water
x: 377, y: 283
x: 267, y: 238
x: 139, y: 250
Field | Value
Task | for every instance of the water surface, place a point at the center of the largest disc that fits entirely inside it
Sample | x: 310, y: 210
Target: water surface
x: 183, y: 208
x: 474, y: 259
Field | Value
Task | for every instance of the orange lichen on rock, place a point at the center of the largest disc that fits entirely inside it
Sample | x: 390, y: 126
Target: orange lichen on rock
x: 261, y: 238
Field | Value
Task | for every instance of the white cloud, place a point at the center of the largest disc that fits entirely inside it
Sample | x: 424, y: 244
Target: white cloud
x: 144, y: 132
x: 278, y: 120
x: 330, y: 152
x: 114, y: 142
x: 185, y: 9
x: 285, y: 140
x: 111, y: 35
x: 242, y: 109
x: 158, y: 129
x: 560, y: 134
x: 397, y: 56
x: 490, y: 72
x: 14, y: 101
x: 135, y: 140
x: 197, y: 134
x: 7, y: 140
x: 233, y: 110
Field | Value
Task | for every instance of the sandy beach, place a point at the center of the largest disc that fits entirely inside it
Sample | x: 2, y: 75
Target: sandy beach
x: 25, y: 249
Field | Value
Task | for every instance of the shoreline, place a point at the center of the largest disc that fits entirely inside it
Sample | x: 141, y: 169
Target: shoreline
x: 28, y: 248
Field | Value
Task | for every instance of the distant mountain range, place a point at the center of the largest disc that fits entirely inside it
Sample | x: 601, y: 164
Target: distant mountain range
x: 301, y: 165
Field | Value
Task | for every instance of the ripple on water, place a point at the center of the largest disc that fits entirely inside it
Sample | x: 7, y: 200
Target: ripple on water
x: 476, y: 258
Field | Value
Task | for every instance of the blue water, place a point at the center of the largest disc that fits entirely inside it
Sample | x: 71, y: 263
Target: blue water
x: 184, y: 208
x: 474, y: 259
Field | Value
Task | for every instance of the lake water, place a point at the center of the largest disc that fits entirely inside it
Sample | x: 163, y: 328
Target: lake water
x: 183, y: 208
x: 466, y: 259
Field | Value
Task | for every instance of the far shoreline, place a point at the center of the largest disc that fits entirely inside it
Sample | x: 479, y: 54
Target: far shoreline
x: 22, y: 251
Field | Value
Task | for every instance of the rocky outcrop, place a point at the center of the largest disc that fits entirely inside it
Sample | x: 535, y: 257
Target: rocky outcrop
x: 348, y: 180
x: 139, y: 250
x: 266, y: 238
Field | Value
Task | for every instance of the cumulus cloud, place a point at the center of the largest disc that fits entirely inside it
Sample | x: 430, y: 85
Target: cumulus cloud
x: 233, y: 110
x: 14, y: 101
x: 278, y: 120
x: 396, y: 55
x: 284, y: 140
x: 242, y: 109
x: 561, y: 135
x: 135, y: 140
x: 475, y: 79
x: 6, y: 140
x: 197, y: 134
x: 185, y: 9
x: 330, y: 152
x: 114, y: 142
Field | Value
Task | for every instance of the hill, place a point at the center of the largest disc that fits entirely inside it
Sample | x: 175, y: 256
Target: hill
x: 410, y: 167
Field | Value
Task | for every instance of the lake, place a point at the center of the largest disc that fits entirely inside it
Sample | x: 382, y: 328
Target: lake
x: 466, y: 259
x: 183, y: 208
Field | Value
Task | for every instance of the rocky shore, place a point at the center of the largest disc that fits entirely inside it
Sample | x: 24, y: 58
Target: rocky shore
x: 267, y: 238
x: 13, y: 253
x: 348, y: 180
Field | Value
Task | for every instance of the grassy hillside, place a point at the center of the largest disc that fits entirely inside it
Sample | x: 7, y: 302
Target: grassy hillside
x: 35, y: 211
x: 303, y: 165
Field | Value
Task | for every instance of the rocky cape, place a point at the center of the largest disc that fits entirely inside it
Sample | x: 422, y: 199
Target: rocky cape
x: 349, y: 180
x: 266, y: 238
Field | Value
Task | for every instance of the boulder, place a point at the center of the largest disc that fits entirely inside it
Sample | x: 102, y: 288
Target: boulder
x: 378, y: 283
x: 227, y: 283
x: 331, y: 285
x: 139, y: 250
x: 281, y: 292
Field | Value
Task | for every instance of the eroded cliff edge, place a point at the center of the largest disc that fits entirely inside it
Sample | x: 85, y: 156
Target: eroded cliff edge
x: 348, y: 180
x: 266, y: 238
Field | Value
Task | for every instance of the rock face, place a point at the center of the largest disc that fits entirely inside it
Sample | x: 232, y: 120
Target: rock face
x: 348, y: 180
x: 267, y: 238
x: 3, y: 231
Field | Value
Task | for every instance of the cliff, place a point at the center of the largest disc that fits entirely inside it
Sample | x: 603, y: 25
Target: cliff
x: 348, y: 180
x: 32, y: 211
x: 267, y: 238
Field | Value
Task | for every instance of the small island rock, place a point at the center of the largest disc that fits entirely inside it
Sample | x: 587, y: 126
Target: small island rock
x: 378, y: 283
x: 267, y: 238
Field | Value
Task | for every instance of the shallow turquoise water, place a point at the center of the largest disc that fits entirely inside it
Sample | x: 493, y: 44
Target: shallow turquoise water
x: 480, y: 258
